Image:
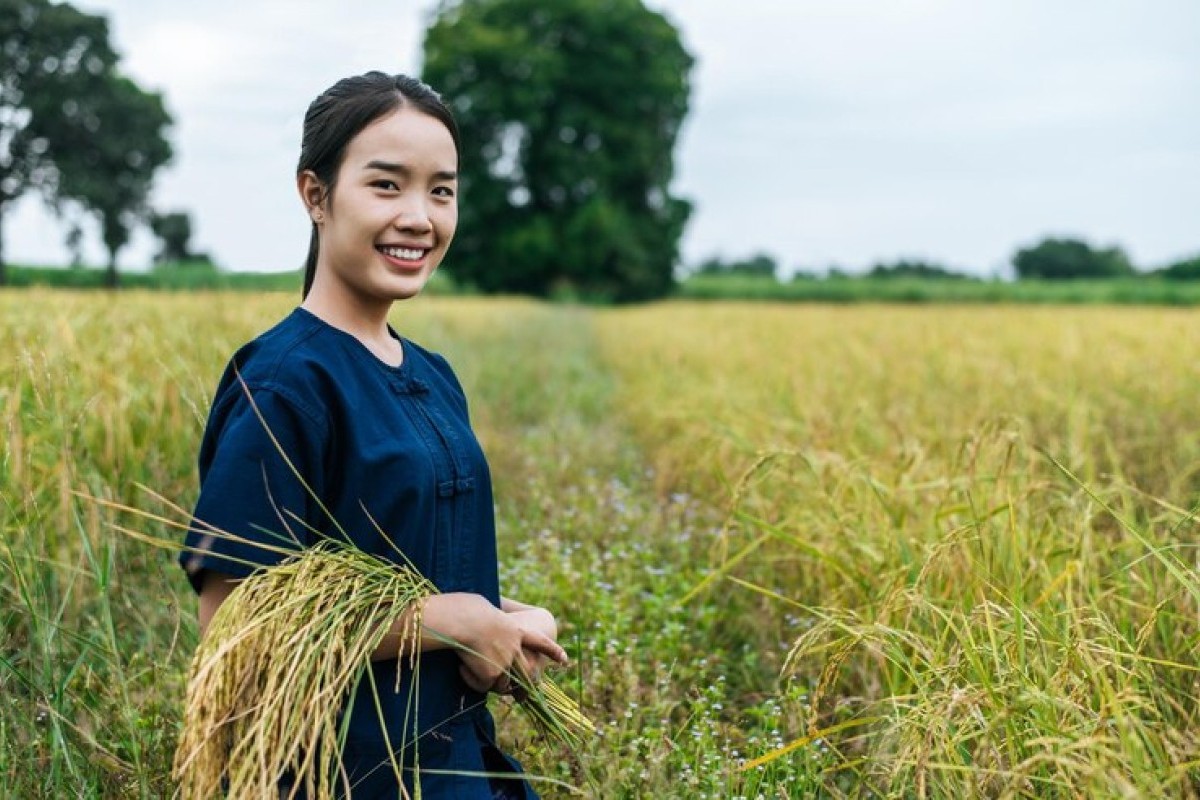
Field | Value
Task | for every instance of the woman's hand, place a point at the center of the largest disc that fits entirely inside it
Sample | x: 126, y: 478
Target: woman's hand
x: 541, y: 621
x: 490, y: 642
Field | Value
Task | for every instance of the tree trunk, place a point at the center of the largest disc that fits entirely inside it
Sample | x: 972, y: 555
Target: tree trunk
x: 115, y: 236
x: 111, y: 279
x: 3, y: 266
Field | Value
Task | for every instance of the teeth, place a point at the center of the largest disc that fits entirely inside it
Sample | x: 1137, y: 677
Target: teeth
x: 403, y: 253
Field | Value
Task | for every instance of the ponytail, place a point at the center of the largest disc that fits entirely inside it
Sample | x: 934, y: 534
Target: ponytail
x: 310, y: 263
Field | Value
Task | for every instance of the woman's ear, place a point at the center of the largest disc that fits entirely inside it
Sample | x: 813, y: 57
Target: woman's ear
x: 312, y: 194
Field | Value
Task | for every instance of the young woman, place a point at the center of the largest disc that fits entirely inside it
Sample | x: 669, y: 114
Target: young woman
x: 378, y: 429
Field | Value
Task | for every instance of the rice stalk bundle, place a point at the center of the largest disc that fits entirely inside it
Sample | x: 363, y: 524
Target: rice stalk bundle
x: 283, y: 652
x: 552, y: 711
x: 280, y: 657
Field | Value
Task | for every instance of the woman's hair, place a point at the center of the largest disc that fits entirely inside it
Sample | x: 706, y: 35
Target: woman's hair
x: 340, y: 113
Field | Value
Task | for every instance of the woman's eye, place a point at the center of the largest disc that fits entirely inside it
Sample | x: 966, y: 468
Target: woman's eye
x: 444, y: 191
x: 386, y: 185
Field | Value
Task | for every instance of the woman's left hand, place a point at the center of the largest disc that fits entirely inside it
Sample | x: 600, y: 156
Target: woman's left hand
x: 536, y: 620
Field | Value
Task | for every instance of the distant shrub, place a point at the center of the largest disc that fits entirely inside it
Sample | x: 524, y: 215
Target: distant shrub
x: 916, y: 269
x: 1070, y: 259
x: 1186, y: 270
x: 759, y: 265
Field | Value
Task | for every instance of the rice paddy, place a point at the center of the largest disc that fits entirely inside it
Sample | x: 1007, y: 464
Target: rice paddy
x: 794, y: 551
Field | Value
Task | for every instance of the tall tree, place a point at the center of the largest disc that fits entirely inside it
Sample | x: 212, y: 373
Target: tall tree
x: 51, y: 54
x: 569, y: 113
x: 108, y: 166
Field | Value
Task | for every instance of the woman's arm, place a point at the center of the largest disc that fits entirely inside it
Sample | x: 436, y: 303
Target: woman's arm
x: 213, y: 591
x: 490, y: 641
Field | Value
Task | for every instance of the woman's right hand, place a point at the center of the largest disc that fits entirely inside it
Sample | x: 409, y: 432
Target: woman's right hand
x: 490, y: 642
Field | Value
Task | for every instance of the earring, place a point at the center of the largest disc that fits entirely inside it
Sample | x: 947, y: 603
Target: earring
x: 317, y: 216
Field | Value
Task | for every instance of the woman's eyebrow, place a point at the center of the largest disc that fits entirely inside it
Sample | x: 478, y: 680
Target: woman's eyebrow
x: 404, y: 171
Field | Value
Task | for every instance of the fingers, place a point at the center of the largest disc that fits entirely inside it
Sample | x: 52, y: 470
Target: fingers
x: 504, y: 652
x: 532, y: 666
x: 538, y: 619
x: 542, y: 644
x: 510, y: 686
x: 472, y: 680
x: 501, y: 684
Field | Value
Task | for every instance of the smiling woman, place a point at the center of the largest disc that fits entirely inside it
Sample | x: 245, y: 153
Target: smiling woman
x: 332, y: 426
x: 384, y: 229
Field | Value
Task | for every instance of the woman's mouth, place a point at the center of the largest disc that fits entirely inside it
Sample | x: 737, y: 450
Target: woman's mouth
x: 407, y: 254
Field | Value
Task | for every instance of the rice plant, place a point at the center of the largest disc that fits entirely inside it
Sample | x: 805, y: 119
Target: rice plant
x: 922, y: 602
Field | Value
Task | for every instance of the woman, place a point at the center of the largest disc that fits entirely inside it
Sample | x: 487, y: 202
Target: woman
x: 377, y: 429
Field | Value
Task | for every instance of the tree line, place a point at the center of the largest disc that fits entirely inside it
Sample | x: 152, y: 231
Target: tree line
x: 569, y: 113
x: 1051, y: 259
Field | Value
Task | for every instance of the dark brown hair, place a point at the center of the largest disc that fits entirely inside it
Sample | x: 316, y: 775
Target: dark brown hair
x: 340, y: 113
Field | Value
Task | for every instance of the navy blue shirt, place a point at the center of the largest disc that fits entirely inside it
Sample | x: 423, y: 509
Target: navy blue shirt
x: 390, y: 453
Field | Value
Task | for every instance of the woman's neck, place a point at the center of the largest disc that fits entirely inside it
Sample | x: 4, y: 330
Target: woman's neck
x: 366, y: 322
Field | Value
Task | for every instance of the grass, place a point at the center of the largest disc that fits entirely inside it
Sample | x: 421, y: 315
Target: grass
x: 960, y: 559
x: 1142, y: 290
x: 197, y: 276
x: 984, y: 527
x: 1154, y: 290
x: 189, y: 276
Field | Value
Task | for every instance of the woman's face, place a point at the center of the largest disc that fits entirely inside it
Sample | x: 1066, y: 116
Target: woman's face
x: 393, y: 210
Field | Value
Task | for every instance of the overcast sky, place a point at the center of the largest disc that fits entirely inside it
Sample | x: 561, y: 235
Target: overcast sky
x: 841, y: 132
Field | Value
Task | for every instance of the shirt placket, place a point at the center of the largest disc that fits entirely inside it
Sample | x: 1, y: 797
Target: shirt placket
x: 453, y: 482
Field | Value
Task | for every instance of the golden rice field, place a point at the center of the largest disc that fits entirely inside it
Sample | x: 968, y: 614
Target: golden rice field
x: 795, y: 551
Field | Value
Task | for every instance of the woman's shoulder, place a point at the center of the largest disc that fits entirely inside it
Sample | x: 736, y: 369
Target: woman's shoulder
x: 295, y: 341
x: 293, y: 360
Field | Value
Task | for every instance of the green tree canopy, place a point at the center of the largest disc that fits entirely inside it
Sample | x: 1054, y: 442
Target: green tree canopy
x: 1068, y: 259
x: 108, y: 168
x: 52, y: 54
x: 71, y: 125
x: 569, y: 113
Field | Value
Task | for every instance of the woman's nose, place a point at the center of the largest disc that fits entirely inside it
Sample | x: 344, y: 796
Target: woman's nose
x: 413, y: 215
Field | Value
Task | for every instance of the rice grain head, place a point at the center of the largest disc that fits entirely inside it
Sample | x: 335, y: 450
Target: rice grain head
x: 284, y: 651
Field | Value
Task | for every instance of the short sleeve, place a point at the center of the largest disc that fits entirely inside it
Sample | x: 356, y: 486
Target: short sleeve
x: 260, y: 468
